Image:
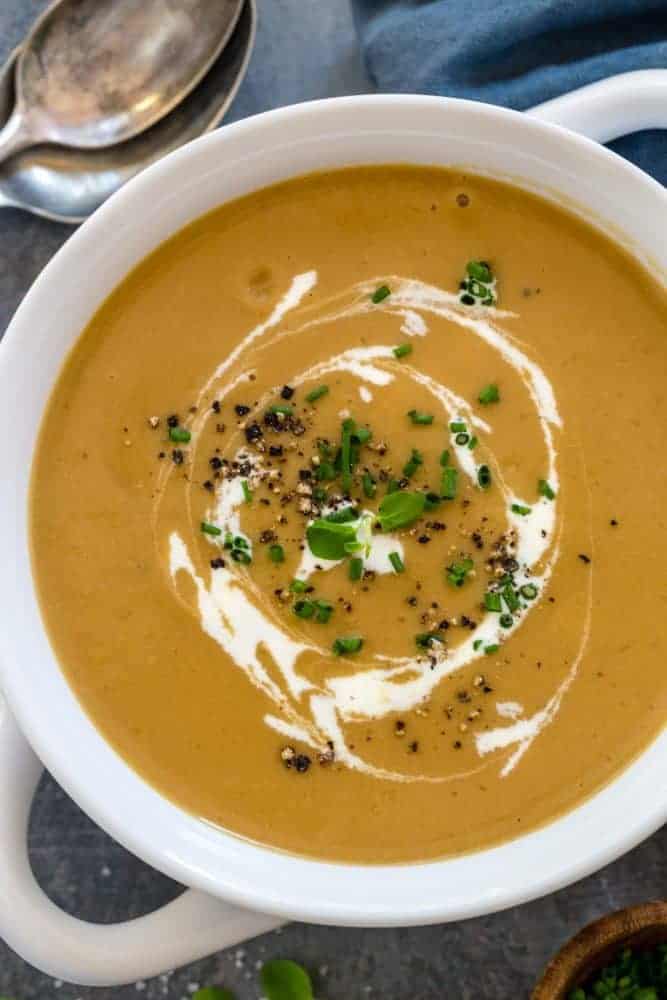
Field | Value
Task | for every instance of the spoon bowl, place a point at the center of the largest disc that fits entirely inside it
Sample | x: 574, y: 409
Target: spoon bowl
x: 68, y: 185
x: 94, y: 73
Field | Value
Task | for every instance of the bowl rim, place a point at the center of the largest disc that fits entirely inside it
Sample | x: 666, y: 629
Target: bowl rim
x: 258, y: 876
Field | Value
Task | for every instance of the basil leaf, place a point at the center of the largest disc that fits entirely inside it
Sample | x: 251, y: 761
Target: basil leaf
x: 400, y: 509
x: 327, y: 539
x: 210, y: 993
x: 285, y: 980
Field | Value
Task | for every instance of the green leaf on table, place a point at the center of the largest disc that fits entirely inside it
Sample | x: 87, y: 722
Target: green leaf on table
x: 285, y: 980
x: 400, y: 509
x: 328, y: 539
x: 210, y: 993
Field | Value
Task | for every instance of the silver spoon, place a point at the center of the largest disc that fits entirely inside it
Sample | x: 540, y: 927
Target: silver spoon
x: 93, y: 73
x: 67, y: 185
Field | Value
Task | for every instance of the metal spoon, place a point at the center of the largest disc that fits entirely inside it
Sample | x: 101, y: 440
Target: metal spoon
x: 67, y: 185
x: 93, y: 73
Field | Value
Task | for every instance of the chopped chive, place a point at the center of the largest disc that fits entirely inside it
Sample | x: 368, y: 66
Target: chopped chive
x: 276, y: 553
x: 323, y: 611
x: 492, y: 601
x: 419, y: 417
x: 457, y: 426
x: 240, y: 542
x: 317, y: 393
x: 493, y: 648
x: 489, y: 394
x: 304, y: 608
x: 210, y: 529
x: 347, y: 645
x: 473, y: 442
x: 325, y: 472
x: 392, y: 486
x: 352, y: 546
x: 426, y: 639
x: 529, y: 591
x: 342, y: 515
x: 477, y: 643
x: 506, y: 620
x: 247, y: 492
x: 448, y: 483
x: 484, y: 477
x: 241, y: 556
x: 347, y: 428
x: 362, y: 435
x: 402, y: 350
x: 320, y: 494
x: 179, y: 434
x: 545, y: 490
x: 416, y: 459
x: 478, y: 270
x: 396, y: 562
x: 432, y: 501
x: 380, y: 294
x: 444, y: 458
x: 368, y: 485
x: 229, y: 539
x: 511, y: 600
x: 356, y: 568
x: 518, y: 508
x: 298, y: 586
x: 462, y: 439
x: 283, y: 408
x: 458, y: 572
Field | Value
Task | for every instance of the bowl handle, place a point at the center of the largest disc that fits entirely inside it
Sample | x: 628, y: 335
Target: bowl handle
x: 190, y: 927
x: 611, y: 108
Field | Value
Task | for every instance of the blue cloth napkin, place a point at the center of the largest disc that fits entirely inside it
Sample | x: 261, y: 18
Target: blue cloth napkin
x: 516, y: 52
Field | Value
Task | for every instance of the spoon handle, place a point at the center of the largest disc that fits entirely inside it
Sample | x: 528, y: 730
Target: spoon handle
x: 16, y: 135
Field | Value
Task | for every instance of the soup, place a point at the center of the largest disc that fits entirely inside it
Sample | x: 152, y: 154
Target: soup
x: 348, y: 518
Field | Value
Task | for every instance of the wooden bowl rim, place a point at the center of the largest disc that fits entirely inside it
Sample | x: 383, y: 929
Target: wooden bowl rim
x: 580, y: 955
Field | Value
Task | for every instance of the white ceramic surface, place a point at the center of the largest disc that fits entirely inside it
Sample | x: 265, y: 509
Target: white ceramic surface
x: 238, y: 159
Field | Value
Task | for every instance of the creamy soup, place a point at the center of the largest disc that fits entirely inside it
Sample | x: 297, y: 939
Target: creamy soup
x: 348, y: 514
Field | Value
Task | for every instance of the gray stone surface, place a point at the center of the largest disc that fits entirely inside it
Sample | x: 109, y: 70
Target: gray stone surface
x: 306, y: 49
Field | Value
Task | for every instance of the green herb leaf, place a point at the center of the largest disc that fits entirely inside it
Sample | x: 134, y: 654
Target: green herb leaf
x: 179, y: 434
x: 458, y: 572
x: 396, y: 562
x: 402, y: 350
x: 421, y: 418
x: 347, y: 645
x: 327, y: 539
x: 484, y: 477
x: 285, y: 980
x: 489, y: 394
x: 368, y: 484
x: 317, y: 393
x: 356, y: 568
x: 401, y: 509
x: 343, y: 515
x: 493, y: 601
x: 210, y: 529
x: 480, y: 271
x: 448, y: 483
x: 380, y: 294
x: 545, y: 490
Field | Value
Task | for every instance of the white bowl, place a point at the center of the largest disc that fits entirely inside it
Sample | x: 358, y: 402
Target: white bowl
x: 241, y: 158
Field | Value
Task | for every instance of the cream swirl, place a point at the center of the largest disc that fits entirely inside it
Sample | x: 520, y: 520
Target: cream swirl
x: 233, y: 611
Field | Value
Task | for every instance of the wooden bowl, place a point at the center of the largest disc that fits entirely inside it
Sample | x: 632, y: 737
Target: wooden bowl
x: 642, y: 926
